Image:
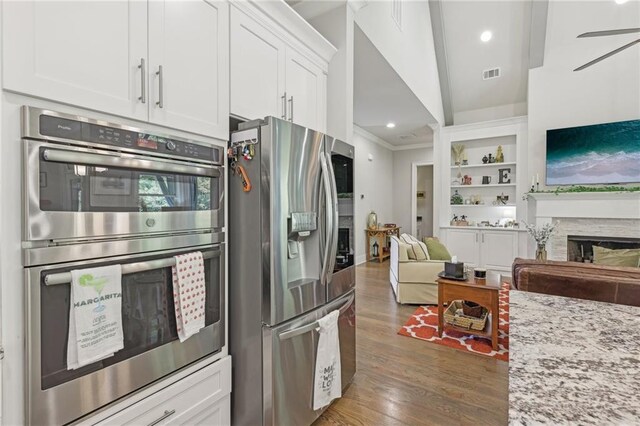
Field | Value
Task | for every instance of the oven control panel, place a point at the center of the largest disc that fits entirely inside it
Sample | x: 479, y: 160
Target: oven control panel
x: 59, y: 127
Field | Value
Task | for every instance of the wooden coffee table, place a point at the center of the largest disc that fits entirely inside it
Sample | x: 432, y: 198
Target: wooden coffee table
x: 485, y: 294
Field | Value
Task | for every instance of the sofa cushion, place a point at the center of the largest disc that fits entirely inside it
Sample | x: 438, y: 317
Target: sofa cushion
x: 437, y: 250
x: 616, y: 257
x: 418, y: 251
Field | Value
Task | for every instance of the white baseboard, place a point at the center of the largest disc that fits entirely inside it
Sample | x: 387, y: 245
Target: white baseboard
x: 361, y: 259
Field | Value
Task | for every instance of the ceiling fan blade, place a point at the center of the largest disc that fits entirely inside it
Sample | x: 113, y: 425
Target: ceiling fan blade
x: 606, y: 55
x: 609, y: 32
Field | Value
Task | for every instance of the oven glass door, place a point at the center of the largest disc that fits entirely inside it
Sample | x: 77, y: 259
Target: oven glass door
x: 148, y: 315
x: 71, y: 189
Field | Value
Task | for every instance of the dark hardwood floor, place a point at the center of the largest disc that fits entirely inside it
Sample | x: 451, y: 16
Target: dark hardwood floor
x: 406, y: 381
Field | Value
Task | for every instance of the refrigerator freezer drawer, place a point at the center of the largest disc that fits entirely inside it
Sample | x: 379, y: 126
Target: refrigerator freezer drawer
x: 288, y: 374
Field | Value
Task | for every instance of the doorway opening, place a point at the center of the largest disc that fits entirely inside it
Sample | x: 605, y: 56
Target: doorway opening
x: 422, y: 200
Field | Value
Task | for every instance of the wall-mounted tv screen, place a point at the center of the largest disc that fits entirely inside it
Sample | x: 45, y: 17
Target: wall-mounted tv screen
x: 598, y: 154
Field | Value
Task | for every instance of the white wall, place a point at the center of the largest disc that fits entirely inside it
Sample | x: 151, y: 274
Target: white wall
x: 424, y: 206
x: 337, y: 26
x: 605, y: 92
x: 373, y: 188
x: 409, y: 50
x: 402, y: 194
x: 489, y: 114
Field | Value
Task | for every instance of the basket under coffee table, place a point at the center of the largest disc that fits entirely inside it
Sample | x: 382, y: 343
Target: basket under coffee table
x: 484, y: 293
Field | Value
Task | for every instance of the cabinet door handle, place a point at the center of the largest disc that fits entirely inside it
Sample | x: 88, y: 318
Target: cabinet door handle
x: 284, y: 106
x: 166, y: 415
x: 143, y: 81
x: 483, y: 238
x: 160, y: 101
x: 291, y: 109
x: 476, y: 237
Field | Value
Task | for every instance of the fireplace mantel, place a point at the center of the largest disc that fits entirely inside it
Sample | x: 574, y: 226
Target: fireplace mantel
x: 605, y: 205
x: 605, y: 214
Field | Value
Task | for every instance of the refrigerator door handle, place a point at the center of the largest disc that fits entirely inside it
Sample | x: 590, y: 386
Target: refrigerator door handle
x: 334, y: 211
x: 326, y: 180
x: 312, y: 326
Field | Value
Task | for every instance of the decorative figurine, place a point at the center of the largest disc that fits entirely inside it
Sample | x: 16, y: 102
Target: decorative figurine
x: 466, y: 180
x: 491, y: 158
x: 456, y: 198
x: 499, y: 155
x: 458, y: 153
x: 485, y: 160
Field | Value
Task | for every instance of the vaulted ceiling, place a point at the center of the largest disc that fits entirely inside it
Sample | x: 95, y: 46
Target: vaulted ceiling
x: 458, y: 26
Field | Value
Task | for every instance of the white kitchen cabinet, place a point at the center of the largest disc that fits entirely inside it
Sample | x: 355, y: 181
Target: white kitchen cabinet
x: 106, y: 56
x: 272, y: 73
x: 189, y: 65
x: 81, y: 53
x: 202, y: 398
x: 491, y: 249
x: 257, y: 69
x: 306, y: 91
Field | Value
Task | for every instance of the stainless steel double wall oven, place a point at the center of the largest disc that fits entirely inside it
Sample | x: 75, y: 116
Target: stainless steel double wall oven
x: 95, y: 194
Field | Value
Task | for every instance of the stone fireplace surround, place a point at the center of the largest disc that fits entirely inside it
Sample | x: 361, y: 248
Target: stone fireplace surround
x: 596, y: 214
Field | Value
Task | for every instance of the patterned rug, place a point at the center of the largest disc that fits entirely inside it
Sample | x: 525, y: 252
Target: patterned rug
x: 423, y: 325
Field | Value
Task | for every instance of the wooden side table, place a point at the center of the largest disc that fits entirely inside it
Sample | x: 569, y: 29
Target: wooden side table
x: 380, y: 235
x: 485, y: 294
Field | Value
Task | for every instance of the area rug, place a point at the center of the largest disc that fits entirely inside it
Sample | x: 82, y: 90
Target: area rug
x: 423, y: 325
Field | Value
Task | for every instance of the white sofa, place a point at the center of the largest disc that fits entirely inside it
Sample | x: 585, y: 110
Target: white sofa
x: 413, y: 281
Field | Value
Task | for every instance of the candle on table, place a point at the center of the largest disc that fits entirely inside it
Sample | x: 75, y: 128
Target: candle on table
x: 537, y: 178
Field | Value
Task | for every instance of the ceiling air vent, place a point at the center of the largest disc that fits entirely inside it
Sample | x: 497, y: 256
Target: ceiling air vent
x: 492, y: 73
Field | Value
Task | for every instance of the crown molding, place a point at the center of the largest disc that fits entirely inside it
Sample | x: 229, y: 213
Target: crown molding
x: 379, y: 141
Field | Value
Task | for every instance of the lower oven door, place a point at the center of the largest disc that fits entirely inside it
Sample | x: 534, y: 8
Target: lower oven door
x: 151, y: 351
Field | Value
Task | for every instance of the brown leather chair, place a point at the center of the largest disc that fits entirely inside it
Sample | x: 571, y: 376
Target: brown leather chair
x: 602, y: 283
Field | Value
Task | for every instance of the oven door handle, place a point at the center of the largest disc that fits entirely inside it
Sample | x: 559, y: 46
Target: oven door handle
x: 131, y: 268
x: 76, y: 157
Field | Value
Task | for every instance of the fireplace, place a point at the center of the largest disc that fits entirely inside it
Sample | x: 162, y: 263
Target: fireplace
x: 580, y: 248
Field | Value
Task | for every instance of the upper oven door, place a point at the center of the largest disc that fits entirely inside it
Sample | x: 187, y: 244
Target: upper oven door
x: 76, y: 193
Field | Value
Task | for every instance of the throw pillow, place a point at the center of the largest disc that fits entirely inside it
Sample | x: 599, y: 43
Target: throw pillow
x: 419, y: 250
x: 406, y: 238
x: 612, y: 257
x: 437, y: 250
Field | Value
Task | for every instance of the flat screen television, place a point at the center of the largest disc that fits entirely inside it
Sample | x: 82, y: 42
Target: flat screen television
x: 606, y: 153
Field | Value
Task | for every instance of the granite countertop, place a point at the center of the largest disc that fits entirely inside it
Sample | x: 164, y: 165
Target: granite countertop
x: 572, y: 361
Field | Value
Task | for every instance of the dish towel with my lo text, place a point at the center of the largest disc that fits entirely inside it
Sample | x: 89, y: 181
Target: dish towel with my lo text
x: 328, y: 372
x: 95, y: 315
x: 189, y: 293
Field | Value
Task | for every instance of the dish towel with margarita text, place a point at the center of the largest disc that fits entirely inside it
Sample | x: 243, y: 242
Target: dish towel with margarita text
x: 95, y: 315
x: 189, y: 293
x: 328, y: 372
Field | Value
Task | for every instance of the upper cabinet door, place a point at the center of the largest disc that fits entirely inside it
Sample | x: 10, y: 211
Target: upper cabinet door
x: 189, y: 66
x: 82, y: 53
x: 257, y: 69
x: 306, y: 92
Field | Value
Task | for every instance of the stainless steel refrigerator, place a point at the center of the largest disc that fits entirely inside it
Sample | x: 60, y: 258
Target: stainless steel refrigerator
x: 291, y: 261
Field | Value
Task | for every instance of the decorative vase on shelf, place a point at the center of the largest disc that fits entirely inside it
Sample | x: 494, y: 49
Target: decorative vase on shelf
x: 485, y: 160
x: 372, y: 220
x: 541, y: 253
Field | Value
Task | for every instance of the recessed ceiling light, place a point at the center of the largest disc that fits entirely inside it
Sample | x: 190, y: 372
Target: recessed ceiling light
x: 391, y: 125
x: 486, y: 35
x: 621, y: 1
